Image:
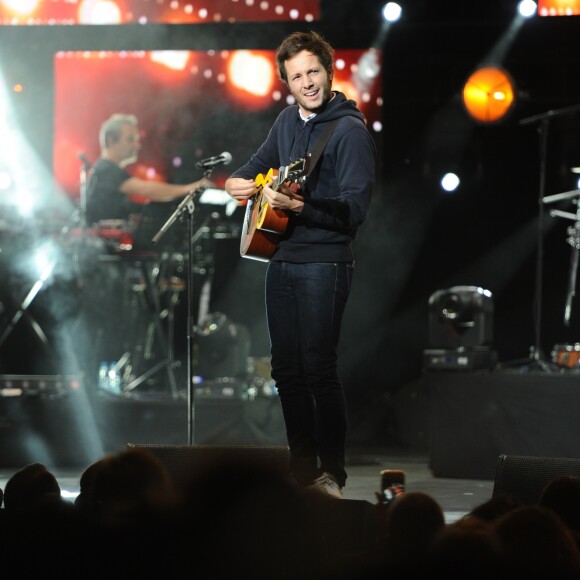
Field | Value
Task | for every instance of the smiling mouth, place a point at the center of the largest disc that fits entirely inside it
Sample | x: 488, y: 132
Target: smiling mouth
x: 311, y: 94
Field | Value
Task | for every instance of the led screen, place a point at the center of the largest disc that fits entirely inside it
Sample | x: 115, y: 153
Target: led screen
x: 558, y: 7
x: 190, y: 105
x: 65, y: 12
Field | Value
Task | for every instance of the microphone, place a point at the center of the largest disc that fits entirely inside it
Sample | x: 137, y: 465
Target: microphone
x: 86, y: 163
x: 224, y: 158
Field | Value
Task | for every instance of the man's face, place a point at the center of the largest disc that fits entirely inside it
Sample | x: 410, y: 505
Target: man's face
x: 126, y: 149
x: 308, y: 81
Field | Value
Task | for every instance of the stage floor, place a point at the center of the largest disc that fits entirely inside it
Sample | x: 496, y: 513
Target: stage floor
x: 456, y: 496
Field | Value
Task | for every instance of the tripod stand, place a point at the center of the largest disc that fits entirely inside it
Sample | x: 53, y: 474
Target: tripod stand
x: 574, y: 240
x: 537, y: 358
x: 149, y: 292
x: 48, y: 274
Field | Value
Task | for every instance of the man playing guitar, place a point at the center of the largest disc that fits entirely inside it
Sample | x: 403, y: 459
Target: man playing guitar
x: 310, y: 268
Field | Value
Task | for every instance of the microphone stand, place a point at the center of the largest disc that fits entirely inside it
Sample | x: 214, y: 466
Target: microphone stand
x: 187, y: 204
x: 83, y: 182
x: 543, y: 121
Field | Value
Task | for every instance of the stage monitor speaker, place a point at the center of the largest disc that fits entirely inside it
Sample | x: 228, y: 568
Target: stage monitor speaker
x: 184, y: 462
x: 353, y: 522
x: 525, y: 477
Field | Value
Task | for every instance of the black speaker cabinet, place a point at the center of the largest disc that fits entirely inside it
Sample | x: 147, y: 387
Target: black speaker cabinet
x: 345, y: 526
x: 525, y: 477
x: 183, y: 462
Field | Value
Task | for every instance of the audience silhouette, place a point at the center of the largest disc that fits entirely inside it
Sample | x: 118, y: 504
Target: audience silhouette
x: 31, y: 487
x: 249, y: 519
x: 412, y: 521
x: 466, y: 548
x: 494, y: 507
x: 534, y: 542
x: 562, y: 495
x: 42, y: 534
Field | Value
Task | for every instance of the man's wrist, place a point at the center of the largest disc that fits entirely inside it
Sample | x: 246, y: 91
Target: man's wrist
x: 297, y: 209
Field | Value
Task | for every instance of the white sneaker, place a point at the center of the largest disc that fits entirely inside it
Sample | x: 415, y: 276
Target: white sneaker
x: 327, y: 484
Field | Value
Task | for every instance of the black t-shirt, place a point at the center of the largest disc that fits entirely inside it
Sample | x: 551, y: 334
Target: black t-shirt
x: 105, y: 201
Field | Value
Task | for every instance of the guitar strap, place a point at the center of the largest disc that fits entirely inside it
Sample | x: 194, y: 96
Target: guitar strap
x: 319, y: 146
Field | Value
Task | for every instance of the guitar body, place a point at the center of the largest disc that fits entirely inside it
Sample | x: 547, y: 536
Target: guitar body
x: 263, y: 226
x: 256, y: 243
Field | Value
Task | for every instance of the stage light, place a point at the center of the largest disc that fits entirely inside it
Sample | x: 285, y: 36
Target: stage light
x: 172, y: 59
x: 99, y: 12
x: 348, y: 87
x: 5, y: 180
x: 367, y: 70
x: 368, y: 67
x: 22, y: 7
x: 392, y: 12
x: 461, y: 317
x: 450, y: 181
x: 44, y: 261
x: 222, y: 348
x: 251, y: 72
x: 488, y: 94
x: 527, y: 8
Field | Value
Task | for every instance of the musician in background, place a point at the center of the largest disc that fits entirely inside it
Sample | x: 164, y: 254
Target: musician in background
x: 111, y: 186
x: 309, y: 275
x: 119, y: 322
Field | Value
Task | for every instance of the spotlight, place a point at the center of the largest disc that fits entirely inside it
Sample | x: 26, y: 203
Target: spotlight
x: 488, y: 94
x: 222, y: 349
x: 22, y: 7
x: 527, y: 8
x: 392, y: 12
x: 5, y: 180
x: 460, y: 328
x: 367, y: 71
x: 461, y: 317
x: 450, y: 182
x: 100, y: 12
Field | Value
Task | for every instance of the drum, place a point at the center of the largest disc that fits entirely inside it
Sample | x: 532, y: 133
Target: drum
x: 567, y: 355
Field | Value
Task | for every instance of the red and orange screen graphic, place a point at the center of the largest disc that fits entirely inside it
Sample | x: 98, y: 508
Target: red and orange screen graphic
x: 65, y: 12
x: 190, y: 104
x: 558, y: 7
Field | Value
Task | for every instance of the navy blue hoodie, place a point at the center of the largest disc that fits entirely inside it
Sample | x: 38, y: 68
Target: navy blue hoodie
x: 338, y: 192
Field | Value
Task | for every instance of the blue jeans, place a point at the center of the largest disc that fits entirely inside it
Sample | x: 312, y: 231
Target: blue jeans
x: 305, y: 305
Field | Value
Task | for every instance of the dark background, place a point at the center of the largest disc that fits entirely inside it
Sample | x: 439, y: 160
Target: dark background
x: 417, y: 239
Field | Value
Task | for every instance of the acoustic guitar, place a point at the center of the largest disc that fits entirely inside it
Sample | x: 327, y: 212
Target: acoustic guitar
x: 263, y: 226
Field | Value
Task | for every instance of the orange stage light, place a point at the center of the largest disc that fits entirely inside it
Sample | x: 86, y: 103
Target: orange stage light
x: 250, y: 78
x: 20, y: 7
x: 488, y: 94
